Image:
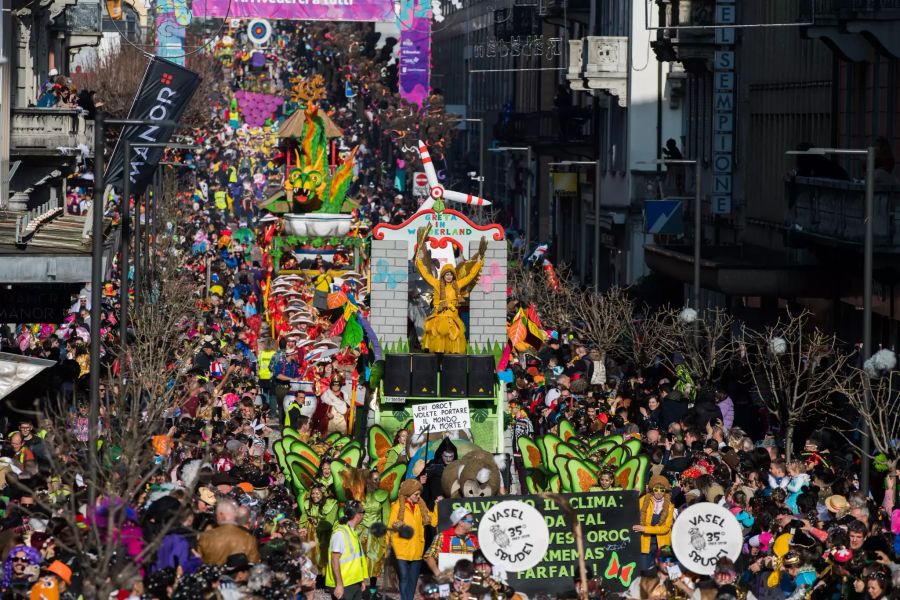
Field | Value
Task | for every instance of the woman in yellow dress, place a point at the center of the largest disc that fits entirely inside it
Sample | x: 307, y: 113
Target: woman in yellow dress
x: 444, y: 330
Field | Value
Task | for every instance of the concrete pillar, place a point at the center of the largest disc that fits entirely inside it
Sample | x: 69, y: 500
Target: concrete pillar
x: 19, y: 201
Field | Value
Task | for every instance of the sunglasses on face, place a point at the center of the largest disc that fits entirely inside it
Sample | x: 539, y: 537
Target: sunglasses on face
x: 659, y: 488
x: 21, y: 559
x: 467, y: 520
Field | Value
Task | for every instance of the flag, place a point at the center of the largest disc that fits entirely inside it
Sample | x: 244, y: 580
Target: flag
x: 165, y: 92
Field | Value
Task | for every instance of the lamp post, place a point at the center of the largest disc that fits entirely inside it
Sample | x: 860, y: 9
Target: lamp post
x: 698, y: 222
x: 526, y: 210
x: 139, y: 240
x: 868, y: 243
x: 97, y: 208
x: 596, y: 163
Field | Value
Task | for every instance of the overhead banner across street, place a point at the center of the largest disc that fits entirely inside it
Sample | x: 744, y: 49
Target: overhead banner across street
x: 300, y: 10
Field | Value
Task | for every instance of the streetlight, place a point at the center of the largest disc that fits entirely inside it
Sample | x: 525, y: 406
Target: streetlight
x: 869, y: 153
x: 480, y: 149
x: 698, y: 222
x: 596, y: 163
x: 526, y: 216
x: 97, y: 206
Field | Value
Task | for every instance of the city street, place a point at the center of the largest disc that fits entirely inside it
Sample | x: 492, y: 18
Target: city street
x: 449, y: 299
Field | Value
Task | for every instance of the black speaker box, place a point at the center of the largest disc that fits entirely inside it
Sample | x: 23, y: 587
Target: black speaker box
x: 481, y: 376
x: 424, y: 375
x: 397, y: 370
x: 453, y: 376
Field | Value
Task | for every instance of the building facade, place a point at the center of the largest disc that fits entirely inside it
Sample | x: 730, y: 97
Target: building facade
x: 553, y: 99
x: 781, y: 228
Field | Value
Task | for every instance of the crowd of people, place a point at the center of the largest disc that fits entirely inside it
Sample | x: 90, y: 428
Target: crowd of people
x: 218, y: 519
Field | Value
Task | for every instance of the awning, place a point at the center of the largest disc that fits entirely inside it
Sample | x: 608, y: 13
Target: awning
x: 16, y: 370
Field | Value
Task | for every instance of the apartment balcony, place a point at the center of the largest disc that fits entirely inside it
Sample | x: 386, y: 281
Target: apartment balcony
x: 852, y: 28
x: 49, y: 132
x: 546, y: 128
x: 694, y: 48
x: 831, y: 213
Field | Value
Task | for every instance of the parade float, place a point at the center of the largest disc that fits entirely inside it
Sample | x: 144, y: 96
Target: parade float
x: 318, y: 219
x: 437, y: 298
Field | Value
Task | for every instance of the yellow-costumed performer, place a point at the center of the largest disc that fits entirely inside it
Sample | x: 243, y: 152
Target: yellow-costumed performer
x: 444, y: 330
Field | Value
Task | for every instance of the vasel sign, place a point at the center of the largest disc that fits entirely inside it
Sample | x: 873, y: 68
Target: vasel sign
x: 704, y: 533
x: 164, y: 94
x: 611, y: 550
x: 513, y: 536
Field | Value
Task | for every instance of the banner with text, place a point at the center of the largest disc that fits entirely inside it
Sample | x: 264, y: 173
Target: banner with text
x: 165, y: 93
x: 415, y: 59
x: 612, y: 550
x: 298, y: 10
x: 442, y: 416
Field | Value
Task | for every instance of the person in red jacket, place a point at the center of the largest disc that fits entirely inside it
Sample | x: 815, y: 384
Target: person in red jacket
x: 458, y: 540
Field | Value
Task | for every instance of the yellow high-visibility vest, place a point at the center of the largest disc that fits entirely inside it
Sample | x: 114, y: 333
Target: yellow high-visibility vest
x: 353, y: 564
x: 265, y: 357
x: 221, y: 199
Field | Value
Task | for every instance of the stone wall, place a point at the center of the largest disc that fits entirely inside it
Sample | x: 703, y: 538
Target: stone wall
x: 487, y: 301
x: 389, y: 285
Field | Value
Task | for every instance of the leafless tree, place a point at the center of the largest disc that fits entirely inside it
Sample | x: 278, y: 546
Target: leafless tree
x: 705, y: 342
x: 879, y: 414
x: 530, y: 285
x: 154, y: 369
x: 116, y: 76
x: 793, y: 366
x: 601, y: 320
x: 639, y: 342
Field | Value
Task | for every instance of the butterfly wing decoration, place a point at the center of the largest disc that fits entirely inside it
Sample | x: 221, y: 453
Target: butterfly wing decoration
x: 616, y: 570
x: 489, y: 276
x: 384, y: 274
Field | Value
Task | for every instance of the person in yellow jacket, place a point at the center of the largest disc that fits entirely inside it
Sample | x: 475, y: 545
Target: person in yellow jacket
x: 409, y: 510
x: 347, y: 567
x: 656, y: 512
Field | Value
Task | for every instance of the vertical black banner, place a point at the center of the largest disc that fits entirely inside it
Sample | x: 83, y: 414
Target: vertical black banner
x: 164, y: 94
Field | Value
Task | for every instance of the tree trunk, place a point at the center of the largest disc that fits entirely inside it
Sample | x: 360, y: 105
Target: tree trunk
x: 789, y: 443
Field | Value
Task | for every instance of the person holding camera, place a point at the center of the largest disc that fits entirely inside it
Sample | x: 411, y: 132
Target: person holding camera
x: 347, y: 566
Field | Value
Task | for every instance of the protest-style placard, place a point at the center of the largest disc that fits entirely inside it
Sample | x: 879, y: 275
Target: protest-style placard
x: 442, y: 416
x: 612, y: 550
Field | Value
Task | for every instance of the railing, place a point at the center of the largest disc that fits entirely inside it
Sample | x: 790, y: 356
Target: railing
x: 834, y: 209
x: 545, y: 127
x: 27, y: 224
x: 49, y: 130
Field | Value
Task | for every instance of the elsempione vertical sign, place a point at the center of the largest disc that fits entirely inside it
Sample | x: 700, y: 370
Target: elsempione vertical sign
x: 723, y: 109
x: 612, y: 549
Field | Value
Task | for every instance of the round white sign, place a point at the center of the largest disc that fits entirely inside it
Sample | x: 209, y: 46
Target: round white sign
x: 513, y: 536
x: 702, y: 534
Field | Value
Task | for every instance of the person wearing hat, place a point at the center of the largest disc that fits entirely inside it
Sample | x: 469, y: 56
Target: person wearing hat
x: 55, y: 579
x: 410, y: 510
x: 457, y: 541
x: 656, y: 516
x: 837, y: 505
x: 235, y: 573
x: 347, y: 568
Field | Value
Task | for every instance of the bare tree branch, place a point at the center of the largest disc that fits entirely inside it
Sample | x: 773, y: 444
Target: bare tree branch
x: 793, y: 366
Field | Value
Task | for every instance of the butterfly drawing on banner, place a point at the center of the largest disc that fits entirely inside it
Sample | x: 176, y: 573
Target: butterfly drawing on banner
x: 410, y: 9
x: 616, y: 570
x: 489, y: 275
x: 390, y: 277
